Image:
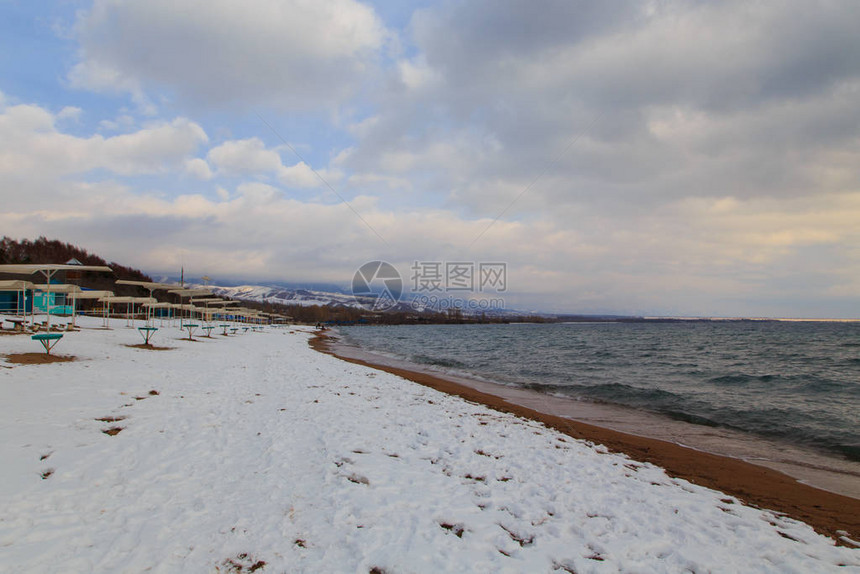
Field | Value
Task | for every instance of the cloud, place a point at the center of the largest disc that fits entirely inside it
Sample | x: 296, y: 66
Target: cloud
x: 713, y: 55
x: 198, y: 168
x: 31, y: 143
x: 417, y: 75
x: 683, y: 257
x: 123, y: 122
x: 618, y: 108
x: 647, y: 157
x: 251, y: 158
x: 299, y: 175
x: 243, y: 157
x: 286, y: 54
x: 69, y: 113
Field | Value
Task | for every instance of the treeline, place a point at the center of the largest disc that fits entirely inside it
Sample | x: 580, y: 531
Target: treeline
x: 44, y: 250
x: 342, y: 314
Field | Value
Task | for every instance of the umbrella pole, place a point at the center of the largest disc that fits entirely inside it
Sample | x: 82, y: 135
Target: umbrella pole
x: 48, y: 302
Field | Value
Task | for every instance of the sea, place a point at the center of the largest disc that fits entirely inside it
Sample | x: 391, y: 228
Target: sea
x: 790, y: 384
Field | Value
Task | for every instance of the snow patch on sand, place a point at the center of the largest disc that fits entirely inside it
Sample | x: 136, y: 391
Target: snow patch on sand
x: 256, y: 453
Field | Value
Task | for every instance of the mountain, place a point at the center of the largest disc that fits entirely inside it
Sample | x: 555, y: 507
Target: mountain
x: 278, y: 294
x: 285, y: 296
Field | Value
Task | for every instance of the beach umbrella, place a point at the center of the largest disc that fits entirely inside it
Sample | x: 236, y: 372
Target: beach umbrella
x: 149, y: 286
x: 188, y: 293
x: 130, y: 303
x: 89, y: 295
x: 49, y: 270
x: 23, y: 287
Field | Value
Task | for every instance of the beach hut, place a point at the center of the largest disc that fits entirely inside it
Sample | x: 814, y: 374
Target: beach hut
x: 13, y: 299
x: 50, y: 302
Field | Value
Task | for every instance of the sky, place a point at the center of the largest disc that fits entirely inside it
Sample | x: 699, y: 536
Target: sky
x: 656, y: 157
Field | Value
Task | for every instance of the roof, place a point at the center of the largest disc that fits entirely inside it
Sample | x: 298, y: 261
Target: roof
x: 92, y: 294
x: 15, y: 285
x: 190, y: 292
x: 30, y: 268
x: 57, y: 288
x: 127, y: 299
x: 145, y: 284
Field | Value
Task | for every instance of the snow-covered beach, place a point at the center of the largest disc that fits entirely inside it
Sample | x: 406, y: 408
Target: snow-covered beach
x: 256, y: 453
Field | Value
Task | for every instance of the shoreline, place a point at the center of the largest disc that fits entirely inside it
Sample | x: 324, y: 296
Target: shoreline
x: 817, y: 468
x: 827, y: 512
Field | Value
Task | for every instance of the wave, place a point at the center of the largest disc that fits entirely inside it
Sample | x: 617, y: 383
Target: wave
x: 438, y: 362
x: 741, y: 379
x: 800, y: 383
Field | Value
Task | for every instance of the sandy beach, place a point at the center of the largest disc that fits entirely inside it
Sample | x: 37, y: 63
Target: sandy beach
x: 257, y: 453
x: 827, y: 512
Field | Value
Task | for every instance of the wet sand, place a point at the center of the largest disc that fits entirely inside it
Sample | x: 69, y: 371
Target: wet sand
x: 828, y: 512
x: 38, y: 358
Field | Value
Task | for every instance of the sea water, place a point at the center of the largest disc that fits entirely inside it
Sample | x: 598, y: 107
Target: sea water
x: 797, y: 382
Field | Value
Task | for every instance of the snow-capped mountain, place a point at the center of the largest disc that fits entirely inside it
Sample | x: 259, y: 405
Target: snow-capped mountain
x: 409, y: 302
x: 284, y: 296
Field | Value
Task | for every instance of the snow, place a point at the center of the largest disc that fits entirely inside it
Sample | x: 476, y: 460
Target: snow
x: 283, y: 296
x: 258, y: 453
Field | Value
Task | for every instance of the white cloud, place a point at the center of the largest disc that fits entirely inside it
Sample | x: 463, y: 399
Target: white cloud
x: 298, y: 175
x: 251, y: 158
x: 30, y: 142
x: 284, y: 53
x: 122, y: 122
x: 417, y: 75
x: 98, y: 77
x: 255, y: 194
x: 198, y: 168
x: 244, y: 157
x: 70, y: 113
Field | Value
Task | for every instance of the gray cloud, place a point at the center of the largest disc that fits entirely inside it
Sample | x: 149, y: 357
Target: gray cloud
x: 219, y: 52
x: 751, y: 99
